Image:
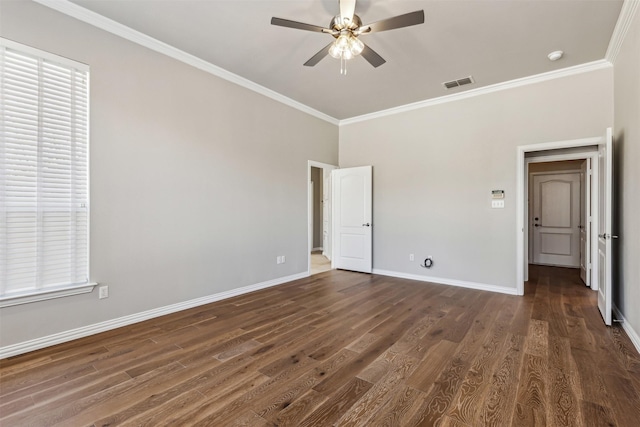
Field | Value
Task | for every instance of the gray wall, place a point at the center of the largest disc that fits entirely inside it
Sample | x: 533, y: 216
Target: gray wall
x: 434, y: 169
x: 196, y: 184
x: 627, y: 171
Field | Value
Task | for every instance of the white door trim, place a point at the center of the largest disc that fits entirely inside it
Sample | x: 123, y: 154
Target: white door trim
x: 320, y: 165
x: 522, y: 191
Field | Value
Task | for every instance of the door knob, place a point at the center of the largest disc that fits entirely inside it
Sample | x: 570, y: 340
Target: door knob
x: 607, y: 236
x: 366, y: 225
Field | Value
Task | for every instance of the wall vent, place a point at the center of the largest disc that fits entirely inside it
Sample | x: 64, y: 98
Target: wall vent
x: 460, y: 82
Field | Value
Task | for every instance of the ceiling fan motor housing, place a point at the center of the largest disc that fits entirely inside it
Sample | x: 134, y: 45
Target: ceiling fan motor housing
x: 338, y: 25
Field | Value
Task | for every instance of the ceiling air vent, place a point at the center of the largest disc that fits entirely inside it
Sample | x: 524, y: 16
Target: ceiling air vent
x: 459, y: 82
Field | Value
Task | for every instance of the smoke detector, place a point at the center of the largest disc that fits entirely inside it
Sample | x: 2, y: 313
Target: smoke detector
x: 554, y: 56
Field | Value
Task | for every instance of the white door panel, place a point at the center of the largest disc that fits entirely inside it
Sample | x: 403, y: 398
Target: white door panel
x: 556, y: 219
x: 605, y: 190
x: 351, y: 195
x: 585, y: 223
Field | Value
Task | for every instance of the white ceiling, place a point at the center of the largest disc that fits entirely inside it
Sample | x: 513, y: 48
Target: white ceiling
x: 492, y: 40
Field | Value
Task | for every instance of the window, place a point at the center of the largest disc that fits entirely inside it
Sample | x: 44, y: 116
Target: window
x: 44, y: 191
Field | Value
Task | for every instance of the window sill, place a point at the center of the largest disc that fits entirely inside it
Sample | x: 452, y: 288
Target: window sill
x: 26, y: 298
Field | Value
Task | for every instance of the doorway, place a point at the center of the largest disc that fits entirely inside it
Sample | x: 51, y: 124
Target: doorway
x: 555, y: 207
x: 567, y: 237
x: 319, y: 217
x: 553, y: 152
x: 600, y: 151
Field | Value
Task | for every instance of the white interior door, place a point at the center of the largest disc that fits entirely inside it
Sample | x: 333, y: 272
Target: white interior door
x: 352, y: 215
x: 326, y: 192
x: 556, y: 219
x: 605, y: 190
x: 585, y: 223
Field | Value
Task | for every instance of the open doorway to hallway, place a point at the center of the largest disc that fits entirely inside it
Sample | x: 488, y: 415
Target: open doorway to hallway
x: 319, y: 263
x: 600, y: 151
x: 319, y: 215
x: 560, y: 215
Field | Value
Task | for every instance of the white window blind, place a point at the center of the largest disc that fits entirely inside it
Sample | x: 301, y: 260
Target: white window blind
x: 44, y: 192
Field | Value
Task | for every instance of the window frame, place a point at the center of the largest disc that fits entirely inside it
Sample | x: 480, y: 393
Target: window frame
x: 51, y: 292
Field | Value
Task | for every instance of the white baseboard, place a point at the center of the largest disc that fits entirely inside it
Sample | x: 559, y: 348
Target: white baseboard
x: 61, y: 337
x: 633, y: 335
x: 319, y: 248
x: 452, y: 282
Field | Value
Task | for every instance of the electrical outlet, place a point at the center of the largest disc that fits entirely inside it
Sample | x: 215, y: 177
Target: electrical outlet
x: 411, y: 257
x: 278, y: 259
x: 103, y: 292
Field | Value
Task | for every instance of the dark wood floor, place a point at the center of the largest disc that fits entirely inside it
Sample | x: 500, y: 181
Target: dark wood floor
x: 343, y: 348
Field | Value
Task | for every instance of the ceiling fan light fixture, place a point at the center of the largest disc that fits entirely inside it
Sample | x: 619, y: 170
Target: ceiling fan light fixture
x: 346, y: 46
x: 355, y: 46
x: 345, y: 28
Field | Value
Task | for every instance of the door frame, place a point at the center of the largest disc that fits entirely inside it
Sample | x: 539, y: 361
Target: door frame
x: 522, y: 196
x: 324, y: 167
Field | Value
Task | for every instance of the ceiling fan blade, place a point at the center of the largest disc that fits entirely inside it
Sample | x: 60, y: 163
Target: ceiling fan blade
x: 372, y: 57
x: 299, y: 25
x: 400, y: 21
x: 318, y: 56
x: 347, y: 10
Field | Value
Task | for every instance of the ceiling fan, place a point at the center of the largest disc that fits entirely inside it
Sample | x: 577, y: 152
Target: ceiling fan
x: 346, y: 28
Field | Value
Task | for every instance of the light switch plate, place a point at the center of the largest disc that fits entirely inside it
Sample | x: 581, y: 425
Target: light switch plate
x: 497, y: 204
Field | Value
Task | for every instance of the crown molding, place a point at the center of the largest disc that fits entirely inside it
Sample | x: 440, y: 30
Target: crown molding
x: 524, y: 81
x: 113, y: 27
x: 628, y: 12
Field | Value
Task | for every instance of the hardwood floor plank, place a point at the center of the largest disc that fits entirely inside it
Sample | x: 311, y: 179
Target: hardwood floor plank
x: 272, y: 407
x: 559, y: 352
x: 10, y: 384
x: 592, y: 385
x: 500, y: 400
x: 380, y: 393
x: 290, y: 415
x: 579, y: 335
x: 433, y: 363
x: 524, y: 415
x: 537, y: 342
x: 14, y: 406
x: 534, y: 387
x: 565, y: 408
x: 250, y: 419
x: 337, y: 404
x: 218, y: 398
x: 345, y: 349
x: 596, y: 415
x: 625, y: 350
x: 103, y: 401
x: 168, y: 413
x: 477, y: 381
